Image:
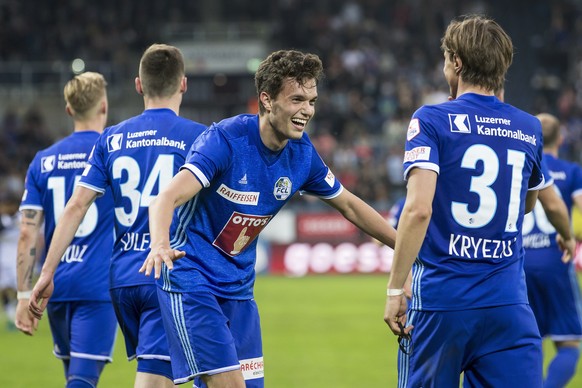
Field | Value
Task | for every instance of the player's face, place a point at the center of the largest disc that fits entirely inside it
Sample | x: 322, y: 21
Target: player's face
x: 451, y: 75
x: 292, y: 109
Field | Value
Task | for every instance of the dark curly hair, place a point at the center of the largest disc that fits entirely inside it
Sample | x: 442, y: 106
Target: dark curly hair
x: 283, y: 64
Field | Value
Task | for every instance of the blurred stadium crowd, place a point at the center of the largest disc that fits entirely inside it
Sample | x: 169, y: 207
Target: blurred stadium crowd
x: 382, y: 62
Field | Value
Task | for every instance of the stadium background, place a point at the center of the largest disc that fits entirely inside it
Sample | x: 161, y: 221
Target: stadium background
x: 382, y: 62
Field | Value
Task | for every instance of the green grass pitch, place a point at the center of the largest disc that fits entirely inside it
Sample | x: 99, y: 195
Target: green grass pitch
x: 318, y: 332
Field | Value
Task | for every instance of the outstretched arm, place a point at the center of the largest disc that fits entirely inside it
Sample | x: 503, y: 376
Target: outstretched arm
x: 30, y: 224
x: 364, y: 217
x: 67, y: 226
x: 182, y: 188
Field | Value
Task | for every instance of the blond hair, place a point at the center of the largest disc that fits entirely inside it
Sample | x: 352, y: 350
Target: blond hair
x: 550, y: 129
x: 83, y: 93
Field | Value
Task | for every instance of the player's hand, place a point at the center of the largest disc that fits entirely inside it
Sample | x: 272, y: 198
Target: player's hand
x: 395, y: 314
x: 568, y: 248
x: 157, y: 256
x: 24, y: 320
x: 41, y: 293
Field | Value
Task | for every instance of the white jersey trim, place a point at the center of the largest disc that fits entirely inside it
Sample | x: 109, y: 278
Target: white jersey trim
x: 92, y: 356
x: 31, y: 207
x: 337, y: 193
x: 198, y: 173
x: 547, y: 182
x: 91, y: 187
x: 542, y: 185
x: 422, y: 165
x: 83, y: 355
x: 153, y: 357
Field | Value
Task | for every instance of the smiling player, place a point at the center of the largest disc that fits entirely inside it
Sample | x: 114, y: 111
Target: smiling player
x: 240, y: 173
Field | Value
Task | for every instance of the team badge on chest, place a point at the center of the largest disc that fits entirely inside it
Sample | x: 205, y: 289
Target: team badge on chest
x: 282, y: 189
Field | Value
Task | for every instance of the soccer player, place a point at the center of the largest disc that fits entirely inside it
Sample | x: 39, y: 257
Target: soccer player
x: 469, y: 311
x: 80, y: 312
x: 134, y: 160
x: 552, y: 285
x: 240, y: 173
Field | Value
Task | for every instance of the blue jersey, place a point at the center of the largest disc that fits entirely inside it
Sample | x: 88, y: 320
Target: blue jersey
x: 487, y: 154
x: 135, y: 159
x: 50, y: 180
x: 245, y: 185
x: 542, y: 250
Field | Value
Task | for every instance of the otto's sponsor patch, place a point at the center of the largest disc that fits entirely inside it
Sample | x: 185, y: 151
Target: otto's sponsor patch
x: 413, y: 129
x: 239, y: 231
x: 418, y: 153
x: 252, y: 368
x: 240, y: 197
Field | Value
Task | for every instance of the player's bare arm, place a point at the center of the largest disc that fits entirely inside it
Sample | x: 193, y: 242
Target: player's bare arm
x: 559, y: 217
x: 67, y: 226
x: 182, y: 188
x: 364, y: 217
x: 412, y: 228
x: 30, y: 224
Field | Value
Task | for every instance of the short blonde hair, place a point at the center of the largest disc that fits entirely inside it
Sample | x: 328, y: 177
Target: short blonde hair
x: 83, y: 93
x: 550, y: 129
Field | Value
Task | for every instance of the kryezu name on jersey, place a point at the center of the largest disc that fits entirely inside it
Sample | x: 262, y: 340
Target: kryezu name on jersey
x: 470, y: 247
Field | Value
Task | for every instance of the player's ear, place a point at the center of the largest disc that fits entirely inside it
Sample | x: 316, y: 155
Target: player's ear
x: 457, y: 63
x: 184, y: 85
x: 138, y: 87
x: 265, y: 100
x: 69, y: 110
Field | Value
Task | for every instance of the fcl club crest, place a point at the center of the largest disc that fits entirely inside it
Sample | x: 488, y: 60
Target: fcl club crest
x: 282, y: 189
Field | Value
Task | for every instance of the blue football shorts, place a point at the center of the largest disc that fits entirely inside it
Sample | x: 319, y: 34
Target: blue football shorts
x: 209, y: 335
x: 554, y: 296
x: 138, y: 312
x: 494, y: 347
x: 83, y: 329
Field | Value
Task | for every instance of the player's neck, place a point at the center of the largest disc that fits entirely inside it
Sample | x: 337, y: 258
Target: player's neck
x: 268, y: 135
x: 469, y: 88
x: 172, y: 103
x: 97, y: 124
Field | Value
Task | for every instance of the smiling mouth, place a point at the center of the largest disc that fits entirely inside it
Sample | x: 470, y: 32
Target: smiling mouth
x: 301, y: 123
